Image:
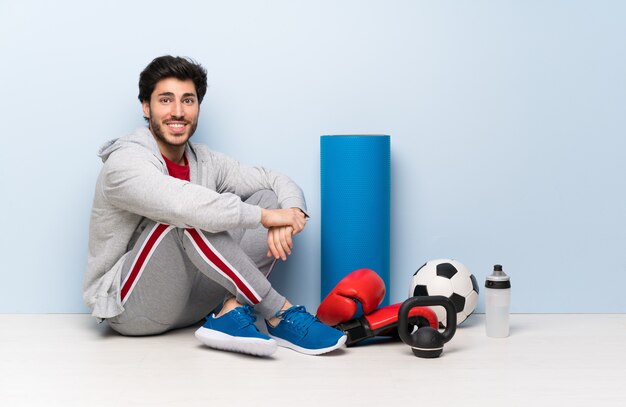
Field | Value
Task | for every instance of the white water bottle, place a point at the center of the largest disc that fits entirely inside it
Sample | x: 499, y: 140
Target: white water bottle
x: 497, y: 303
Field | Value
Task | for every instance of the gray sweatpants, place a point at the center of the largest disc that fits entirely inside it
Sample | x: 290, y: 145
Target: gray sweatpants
x: 173, y: 277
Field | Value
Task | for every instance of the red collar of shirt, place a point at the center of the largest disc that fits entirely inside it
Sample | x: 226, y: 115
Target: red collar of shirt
x: 178, y: 171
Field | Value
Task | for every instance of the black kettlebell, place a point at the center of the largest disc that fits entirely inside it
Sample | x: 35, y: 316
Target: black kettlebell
x: 426, y: 342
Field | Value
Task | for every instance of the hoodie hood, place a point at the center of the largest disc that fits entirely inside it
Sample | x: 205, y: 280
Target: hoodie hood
x: 141, y: 137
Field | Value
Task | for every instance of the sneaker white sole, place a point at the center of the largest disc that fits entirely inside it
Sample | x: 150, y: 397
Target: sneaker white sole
x: 307, y: 351
x: 220, y: 340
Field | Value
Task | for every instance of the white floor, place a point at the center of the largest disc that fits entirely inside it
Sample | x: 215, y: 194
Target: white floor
x: 549, y: 360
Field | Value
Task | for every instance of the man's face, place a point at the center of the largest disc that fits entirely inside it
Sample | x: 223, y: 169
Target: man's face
x: 173, y: 111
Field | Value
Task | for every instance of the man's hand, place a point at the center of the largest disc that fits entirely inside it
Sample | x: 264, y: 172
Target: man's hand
x: 293, y: 217
x: 279, y: 242
x: 282, y: 224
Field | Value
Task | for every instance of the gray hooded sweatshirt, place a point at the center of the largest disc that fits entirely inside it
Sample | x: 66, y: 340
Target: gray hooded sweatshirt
x: 134, y: 184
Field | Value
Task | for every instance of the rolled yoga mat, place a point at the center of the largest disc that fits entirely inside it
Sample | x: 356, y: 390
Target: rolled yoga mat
x: 355, y: 193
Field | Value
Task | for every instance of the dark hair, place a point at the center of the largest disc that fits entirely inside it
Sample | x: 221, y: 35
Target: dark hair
x: 168, y: 66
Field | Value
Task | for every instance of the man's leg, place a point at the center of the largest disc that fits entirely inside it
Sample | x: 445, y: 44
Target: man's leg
x: 161, y: 273
x: 254, y: 241
x: 164, y: 280
x: 293, y: 327
x: 221, y: 259
x: 157, y: 278
x: 254, y: 244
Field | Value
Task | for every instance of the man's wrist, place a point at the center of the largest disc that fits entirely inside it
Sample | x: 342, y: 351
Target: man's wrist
x: 301, y: 210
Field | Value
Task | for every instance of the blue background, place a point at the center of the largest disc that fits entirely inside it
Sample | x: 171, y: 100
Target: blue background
x: 507, y: 121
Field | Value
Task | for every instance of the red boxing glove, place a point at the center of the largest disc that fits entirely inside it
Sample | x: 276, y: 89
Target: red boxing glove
x: 384, y: 321
x: 362, y: 286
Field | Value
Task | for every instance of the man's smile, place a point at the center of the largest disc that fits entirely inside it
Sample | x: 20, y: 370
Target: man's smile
x: 176, y: 127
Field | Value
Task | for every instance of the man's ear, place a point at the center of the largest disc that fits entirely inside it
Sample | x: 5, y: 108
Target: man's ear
x: 145, y: 106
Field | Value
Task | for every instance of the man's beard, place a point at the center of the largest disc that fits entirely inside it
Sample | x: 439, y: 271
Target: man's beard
x: 155, y: 126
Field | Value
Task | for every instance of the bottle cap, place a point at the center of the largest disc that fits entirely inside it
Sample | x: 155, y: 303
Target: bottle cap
x: 498, y: 279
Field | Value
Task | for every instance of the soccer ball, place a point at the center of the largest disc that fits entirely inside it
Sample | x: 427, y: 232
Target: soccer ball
x: 448, y: 278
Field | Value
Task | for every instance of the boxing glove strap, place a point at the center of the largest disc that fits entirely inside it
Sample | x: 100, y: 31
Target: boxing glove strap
x: 356, y: 330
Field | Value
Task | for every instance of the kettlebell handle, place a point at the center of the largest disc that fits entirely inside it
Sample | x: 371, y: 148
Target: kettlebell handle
x: 427, y: 301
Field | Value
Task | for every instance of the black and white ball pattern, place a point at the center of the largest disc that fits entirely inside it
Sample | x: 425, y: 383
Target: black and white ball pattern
x: 451, y: 279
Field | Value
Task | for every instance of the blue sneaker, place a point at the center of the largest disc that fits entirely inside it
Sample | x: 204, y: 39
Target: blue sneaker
x: 302, y: 332
x: 235, y: 331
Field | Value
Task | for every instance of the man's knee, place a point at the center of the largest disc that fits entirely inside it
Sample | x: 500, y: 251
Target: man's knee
x: 264, y: 198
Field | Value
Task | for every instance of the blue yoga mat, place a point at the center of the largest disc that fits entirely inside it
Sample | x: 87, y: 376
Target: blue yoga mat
x: 355, y: 193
